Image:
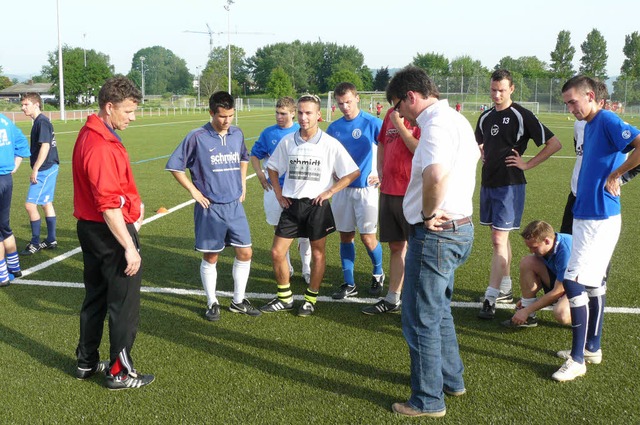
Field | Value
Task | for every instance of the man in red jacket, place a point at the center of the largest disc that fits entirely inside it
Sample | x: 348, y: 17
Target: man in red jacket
x: 109, y: 212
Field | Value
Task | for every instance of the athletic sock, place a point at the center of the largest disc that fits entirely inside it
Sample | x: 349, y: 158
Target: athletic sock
x: 491, y: 294
x: 392, y: 297
x: 578, y: 304
x: 311, y: 296
x: 289, y: 264
x: 304, y: 248
x: 51, y: 228
x: 526, y: 302
x: 35, y: 232
x: 505, y: 284
x: 209, y: 276
x: 13, y: 262
x: 347, y: 258
x: 597, y: 300
x: 376, y: 260
x: 284, y: 293
x: 4, y: 273
x: 240, y: 273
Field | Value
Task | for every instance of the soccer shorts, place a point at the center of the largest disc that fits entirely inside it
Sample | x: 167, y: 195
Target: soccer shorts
x: 304, y: 220
x: 43, y: 191
x: 356, y: 208
x: 502, y: 207
x: 395, y: 227
x: 221, y: 225
x: 6, y: 189
x: 592, y: 248
x: 272, y: 208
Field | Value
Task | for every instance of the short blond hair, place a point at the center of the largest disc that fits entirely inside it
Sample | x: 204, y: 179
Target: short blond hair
x: 538, y: 231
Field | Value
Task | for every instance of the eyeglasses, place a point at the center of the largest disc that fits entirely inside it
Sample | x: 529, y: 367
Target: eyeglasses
x: 396, y: 107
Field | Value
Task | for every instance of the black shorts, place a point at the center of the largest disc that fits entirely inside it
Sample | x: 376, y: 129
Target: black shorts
x: 304, y: 220
x: 393, y: 226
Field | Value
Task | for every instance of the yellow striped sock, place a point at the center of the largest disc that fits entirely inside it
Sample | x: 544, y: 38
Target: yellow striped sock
x: 284, y: 293
x: 311, y: 296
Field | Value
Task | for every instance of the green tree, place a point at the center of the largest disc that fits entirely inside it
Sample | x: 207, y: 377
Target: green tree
x: 288, y: 56
x: 215, y: 75
x: 5, y: 82
x: 626, y: 88
x: 435, y: 64
x: 366, y: 76
x: 163, y: 71
x: 562, y: 57
x: 280, y: 84
x: 80, y: 82
x: 382, y: 79
x: 344, y: 76
x: 594, y: 56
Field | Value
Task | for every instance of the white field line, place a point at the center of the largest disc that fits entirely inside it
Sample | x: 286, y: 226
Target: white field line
x: 254, y: 295
x: 262, y: 296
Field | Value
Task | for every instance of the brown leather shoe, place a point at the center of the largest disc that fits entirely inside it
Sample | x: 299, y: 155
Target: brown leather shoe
x: 405, y: 410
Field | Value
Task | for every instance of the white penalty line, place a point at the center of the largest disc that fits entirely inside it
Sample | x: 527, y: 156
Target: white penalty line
x: 262, y: 296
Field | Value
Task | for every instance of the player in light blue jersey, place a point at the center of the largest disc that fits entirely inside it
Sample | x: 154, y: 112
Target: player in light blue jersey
x: 357, y: 205
x: 597, y: 221
x: 261, y: 151
x: 217, y: 159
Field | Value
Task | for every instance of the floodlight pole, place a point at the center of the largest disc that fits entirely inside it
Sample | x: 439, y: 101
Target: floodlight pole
x: 198, y: 71
x: 60, y: 63
x: 228, y: 9
x: 84, y: 48
x: 142, y: 68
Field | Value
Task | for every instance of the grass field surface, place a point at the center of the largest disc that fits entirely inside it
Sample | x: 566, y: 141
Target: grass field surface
x: 335, y: 367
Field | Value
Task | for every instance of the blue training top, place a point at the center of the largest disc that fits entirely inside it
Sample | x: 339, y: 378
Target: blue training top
x: 214, y: 162
x: 606, y: 140
x: 12, y: 143
x: 267, y: 142
x: 358, y: 136
x: 558, y: 258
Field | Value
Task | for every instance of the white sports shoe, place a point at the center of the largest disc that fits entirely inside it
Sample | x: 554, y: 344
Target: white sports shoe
x: 569, y: 371
x: 589, y: 357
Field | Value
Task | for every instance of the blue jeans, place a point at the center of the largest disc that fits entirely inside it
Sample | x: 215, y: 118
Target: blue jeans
x: 427, y: 323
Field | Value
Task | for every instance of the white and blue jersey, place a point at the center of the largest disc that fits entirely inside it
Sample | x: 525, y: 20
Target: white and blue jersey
x: 12, y: 143
x: 606, y: 140
x: 214, y: 162
x: 267, y: 142
x: 558, y: 258
x: 359, y: 136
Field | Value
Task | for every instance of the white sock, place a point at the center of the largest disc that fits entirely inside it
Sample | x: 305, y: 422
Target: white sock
x: 505, y: 284
x: 240, y: 274
x: 304, y: 247
x: 491, y: 294
x: 392, y: 297
x: 289, y: 263
x: 526, y: 302
x: 209, y: 276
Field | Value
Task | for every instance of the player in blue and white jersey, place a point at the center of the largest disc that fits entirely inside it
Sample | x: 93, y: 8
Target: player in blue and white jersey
x: 217, y: 159
x: 596, y: 212
x: 261, y: 151
x: 356, y: 207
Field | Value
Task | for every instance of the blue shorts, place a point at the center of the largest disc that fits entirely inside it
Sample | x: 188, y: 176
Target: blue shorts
x: 502, y: 207
x: 6, y: 189
x: 552, y: 281
x: 221, y: 225
x: 42, y: 193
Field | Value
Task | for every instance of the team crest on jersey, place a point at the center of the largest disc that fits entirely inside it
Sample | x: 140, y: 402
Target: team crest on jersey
x: 274, y: 142
x: 626, y: 134
x: 495, y: 129
x: 356, y: 134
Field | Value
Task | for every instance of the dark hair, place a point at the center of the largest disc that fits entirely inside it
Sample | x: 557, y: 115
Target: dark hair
x: 502, y: 74
x: 221, y: 99
x: 286, y: 102
x: 310, y: 98
x: 602, y: 93
x: 118, y: 89
x: 411, y: 78
x: 581, y: 82
x: 537, y: 231
x: 33, y: 97
x: 344, y: 88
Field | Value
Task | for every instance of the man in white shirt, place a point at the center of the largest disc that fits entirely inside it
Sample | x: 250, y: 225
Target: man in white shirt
x: 438, y: 205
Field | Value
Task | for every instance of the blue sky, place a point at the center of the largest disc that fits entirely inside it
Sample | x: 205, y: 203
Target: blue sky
x: 387, y: 33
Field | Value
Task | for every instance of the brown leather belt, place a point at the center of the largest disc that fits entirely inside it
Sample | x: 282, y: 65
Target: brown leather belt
x: 454, y: 224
